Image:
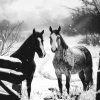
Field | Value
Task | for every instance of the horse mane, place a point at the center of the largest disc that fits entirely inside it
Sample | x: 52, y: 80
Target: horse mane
x: 64, y: 45
x: 27, y: 42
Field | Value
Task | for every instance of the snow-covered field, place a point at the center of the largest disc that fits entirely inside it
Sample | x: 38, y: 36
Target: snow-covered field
x: 44, y: 84
x: 46, y: 79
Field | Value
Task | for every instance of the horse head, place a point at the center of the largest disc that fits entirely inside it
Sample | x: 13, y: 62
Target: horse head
x: 39, y: 47
x: 55, y: 38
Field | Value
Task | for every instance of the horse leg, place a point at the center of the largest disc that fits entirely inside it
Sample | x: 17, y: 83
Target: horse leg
x: 29, y: 80
x: 82, y: 77
x: 68, y: 82
x: 59, y: 78
x: 89, y: 79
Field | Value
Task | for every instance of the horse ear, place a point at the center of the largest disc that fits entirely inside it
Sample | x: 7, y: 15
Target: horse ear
x: 42, y: 32
x: 59, y: 29
x: 33, y: 31
x: 50, y: 28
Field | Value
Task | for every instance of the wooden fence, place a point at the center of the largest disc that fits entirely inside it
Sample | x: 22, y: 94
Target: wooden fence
x: 10, y: 71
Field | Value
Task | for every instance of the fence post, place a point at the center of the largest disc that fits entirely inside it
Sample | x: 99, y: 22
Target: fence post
x: 98, y: 81
x: 1, y: 46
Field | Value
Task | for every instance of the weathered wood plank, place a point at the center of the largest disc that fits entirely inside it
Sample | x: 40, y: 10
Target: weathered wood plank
x: 10, y: 63
x: 16, y: 78
x: 7, y: 97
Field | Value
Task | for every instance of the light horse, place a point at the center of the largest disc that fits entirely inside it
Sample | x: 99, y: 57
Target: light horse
x: 26, y: 53
x: 69, y: 61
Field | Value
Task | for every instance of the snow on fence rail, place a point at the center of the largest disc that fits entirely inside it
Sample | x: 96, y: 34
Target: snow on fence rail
x: 10, y: 71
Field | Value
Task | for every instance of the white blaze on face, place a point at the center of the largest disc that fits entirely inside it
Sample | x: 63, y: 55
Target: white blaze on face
x: 41, y: 46
x: 54, y: 42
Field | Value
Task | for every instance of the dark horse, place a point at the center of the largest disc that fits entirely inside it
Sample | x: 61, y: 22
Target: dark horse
x: 26, y: 55
x: 69, y: 61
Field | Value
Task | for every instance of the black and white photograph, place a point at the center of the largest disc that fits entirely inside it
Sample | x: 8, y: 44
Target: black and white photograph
x: 49, y: 49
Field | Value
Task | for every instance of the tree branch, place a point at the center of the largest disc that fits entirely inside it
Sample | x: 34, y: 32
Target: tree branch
x: 96, y: 5
x: 13, y: 36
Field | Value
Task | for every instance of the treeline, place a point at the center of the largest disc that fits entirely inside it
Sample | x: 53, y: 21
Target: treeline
x: 85, y: 20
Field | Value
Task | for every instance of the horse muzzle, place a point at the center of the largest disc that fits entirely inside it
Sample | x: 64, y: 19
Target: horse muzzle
x: 53, y: 50
x: 42, y: 56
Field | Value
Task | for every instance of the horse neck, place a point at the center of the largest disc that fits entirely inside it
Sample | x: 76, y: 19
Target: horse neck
x: 26, y: 51
x: 62, y: 45
x: 61, y: 48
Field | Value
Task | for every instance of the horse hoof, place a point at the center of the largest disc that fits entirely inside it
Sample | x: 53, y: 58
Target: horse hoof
x: 59, y: 96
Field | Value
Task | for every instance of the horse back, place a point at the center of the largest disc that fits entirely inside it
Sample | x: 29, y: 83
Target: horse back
x: 79, y: 60
x: 82, y: 59
x: 87, y: 55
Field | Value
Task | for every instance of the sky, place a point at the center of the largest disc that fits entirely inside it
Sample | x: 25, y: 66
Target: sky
x: 36, y: 12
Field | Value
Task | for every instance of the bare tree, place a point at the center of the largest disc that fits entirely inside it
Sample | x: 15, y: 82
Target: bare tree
x: 8, y: 36
x: 94, y: 3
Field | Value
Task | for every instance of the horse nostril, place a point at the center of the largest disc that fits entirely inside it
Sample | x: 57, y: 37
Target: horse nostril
x: 56, y: 49
x: 53, y: 50
x: 44, y: 54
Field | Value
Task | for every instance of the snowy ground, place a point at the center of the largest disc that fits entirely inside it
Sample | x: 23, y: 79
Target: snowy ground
x: 44, y: 84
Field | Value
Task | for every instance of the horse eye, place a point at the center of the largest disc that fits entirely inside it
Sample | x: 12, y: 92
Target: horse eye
x: 42, y: 41
x: 50, y: 40
x: 38, y: 43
